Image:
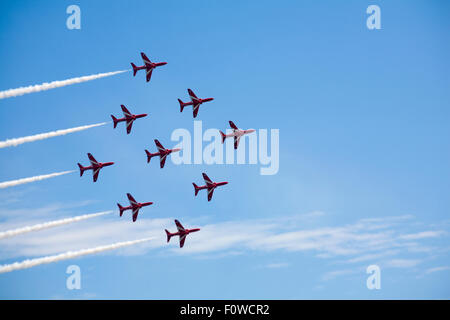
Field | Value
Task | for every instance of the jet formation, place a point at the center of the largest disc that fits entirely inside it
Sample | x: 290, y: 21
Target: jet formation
x: 129, y: 118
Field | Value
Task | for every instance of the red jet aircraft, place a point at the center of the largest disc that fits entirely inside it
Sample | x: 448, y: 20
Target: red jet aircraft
x: 95, y: 166
x: 134, y: 206
x: 128, y: 117
x: 162, y: 153
x: 209, y: 185
x: 195, y: 102
x: 182, y: 232
x: 148, y: 66
x: 237, y: 134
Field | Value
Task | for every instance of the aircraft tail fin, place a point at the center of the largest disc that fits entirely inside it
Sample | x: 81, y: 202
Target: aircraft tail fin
x: 115, y: 121
x: 182, y: 105
x: 120, y: 209
x: 169, y: 235
x: 81, y: 169
x: 223, y: 136
x: 135, y: 69
x: 149, y: 155
x: 196, y: 188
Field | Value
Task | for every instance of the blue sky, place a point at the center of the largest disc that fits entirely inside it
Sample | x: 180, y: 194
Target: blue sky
x: 364, y: 148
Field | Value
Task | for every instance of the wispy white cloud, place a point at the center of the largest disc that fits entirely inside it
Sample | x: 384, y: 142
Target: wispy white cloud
x: 437, y: 269
x: 364, y: 241
x: 338, y: 273
x: 403, y: 263
x: 277, y: 265
x: 422, y: 235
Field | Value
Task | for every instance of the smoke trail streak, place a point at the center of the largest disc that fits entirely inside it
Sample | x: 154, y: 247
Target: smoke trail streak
x: 54, y: 84
x: 29, y: 263
x: 13, y: 183
x: 50, y: 224
x: 16, y: 141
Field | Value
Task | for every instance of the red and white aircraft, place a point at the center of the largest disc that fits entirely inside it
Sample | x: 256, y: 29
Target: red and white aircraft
x: 209, y: 185
x: 182, y: 232
x: 128, y: 117
x: 95, y: 166
x: 134, y: 206
x: 237, y: 134
x: 162, y: 153
x: 148, y: 66
x: 195, y: 102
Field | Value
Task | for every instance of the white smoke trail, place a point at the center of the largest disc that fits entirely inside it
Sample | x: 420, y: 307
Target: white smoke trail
x: 13, y: 183
x: 29, y: 263
x: 54, y: 84
x: 41, y: 136
x: 50, y: 224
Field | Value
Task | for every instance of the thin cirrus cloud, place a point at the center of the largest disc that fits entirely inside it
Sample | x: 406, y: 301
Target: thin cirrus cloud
x: 364, y: 241
x: 437, y: 269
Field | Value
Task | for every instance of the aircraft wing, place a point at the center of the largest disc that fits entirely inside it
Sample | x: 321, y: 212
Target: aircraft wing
x: 159, y: 145
x: 207, y: 179
x: 236, y: 141
x: 135, y: 214
x: 92, y: 159
x: 129, y: 126
x: 179, y: 226
x: 125, y: 111
x: 232, y: 125
x: 149, y: 74
x: 210, y: 193
x: 145, y: 59
x: 131, y: 199
x: 182, y: 239
x: 192, y: 95
x: 195, y: 109
x: 95, y: 174
x: 162, y: 160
